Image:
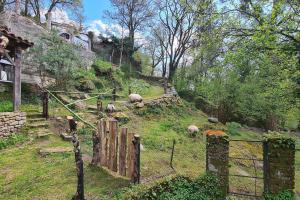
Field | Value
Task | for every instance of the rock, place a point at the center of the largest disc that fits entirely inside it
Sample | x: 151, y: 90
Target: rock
x: 86, y: 85
x: 121, y: 117
x: 60, y: 119
x: 135, y: 98
x: 65, y: 99
x: 55, y: 150
x: 80, y: 106
x: 139, y: 104
x: 213, y: 120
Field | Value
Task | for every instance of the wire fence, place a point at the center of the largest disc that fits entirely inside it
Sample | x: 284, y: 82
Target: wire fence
x: 246, y: 168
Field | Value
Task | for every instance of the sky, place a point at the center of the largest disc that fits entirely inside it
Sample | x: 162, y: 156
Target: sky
x: 93, y: 10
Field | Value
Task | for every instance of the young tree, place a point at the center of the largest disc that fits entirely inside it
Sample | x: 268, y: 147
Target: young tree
x: 133, y: 14
x: 177, y: 20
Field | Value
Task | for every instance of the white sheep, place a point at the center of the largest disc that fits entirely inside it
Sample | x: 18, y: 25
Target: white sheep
x: 111, y: 107
x: 192, y: 129
x: 135, y: 98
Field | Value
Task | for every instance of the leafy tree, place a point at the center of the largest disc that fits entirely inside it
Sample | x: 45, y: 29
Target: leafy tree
x: 56, y: 58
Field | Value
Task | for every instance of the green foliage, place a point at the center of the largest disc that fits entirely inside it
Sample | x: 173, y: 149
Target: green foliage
x: 178, y: 188
x: 284, y: 195
x: 279, y: 140
x: 12, y: 140
x: 85, y: 131
x: 6, y: 106
x: 233, y: 128
x: 102, y: 66
x: 57, y: 58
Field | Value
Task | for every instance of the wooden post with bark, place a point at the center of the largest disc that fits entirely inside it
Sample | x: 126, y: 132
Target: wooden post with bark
x: 96, y: 148
x: 135, y: 178
x: 113, y: 145
x: 99, y: 105
x: 79, y: 162
x: 122, y: 153
x: 130, y: 157
x: 45, y: 105
x: 114, y: 92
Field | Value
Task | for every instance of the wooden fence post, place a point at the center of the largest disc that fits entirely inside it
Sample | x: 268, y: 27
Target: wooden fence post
x: 114, y: 94
x: 130, y: 157
x: 45, y: 105
x: 172, y: 154
x: 99, y: 105
x: 104, y: 142
x: 136, y: 170
x: 122, y: 153
x: 79, y: 166
x: 96, y: 146
x: 113, y: 145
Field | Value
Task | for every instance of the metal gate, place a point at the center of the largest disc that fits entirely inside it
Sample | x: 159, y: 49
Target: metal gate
x: 246, y: 168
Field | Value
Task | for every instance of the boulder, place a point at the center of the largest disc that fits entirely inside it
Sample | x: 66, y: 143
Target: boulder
x: 86, y: 85
x: 80, y: 106
x: 135, y: 98
x: 213, y: 120
x: 139, y: 104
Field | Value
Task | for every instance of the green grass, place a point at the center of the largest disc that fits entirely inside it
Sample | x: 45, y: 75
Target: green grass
x: 26, y: 175
x: 6, y: 106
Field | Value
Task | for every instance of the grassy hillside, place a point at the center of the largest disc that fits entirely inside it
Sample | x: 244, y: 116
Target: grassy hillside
x: 54, y: 176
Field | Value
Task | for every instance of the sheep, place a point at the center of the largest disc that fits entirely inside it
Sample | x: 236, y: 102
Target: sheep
x: 111, y: 107
x: 135, y: 98
x: 3, y: 41
x: 192, y: 129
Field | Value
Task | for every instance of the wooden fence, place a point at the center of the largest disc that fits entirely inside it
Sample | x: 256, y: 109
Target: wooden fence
x: 118, y: 151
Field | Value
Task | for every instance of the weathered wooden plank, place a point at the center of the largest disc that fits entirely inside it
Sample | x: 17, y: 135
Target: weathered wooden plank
x: 130, y: 154
x: 113, y: 145
x: 122, y: 152
x: 104, y: 142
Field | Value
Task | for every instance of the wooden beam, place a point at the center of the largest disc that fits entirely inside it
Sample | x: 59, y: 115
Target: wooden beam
x: 17, y: 79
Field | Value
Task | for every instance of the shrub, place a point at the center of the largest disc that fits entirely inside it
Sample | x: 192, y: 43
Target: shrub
x: 102, y: 66
x: 232, y: 128
x: 284, y: 195
x: 12, y: 140
x: 6, y: 106
x: 179, y: 188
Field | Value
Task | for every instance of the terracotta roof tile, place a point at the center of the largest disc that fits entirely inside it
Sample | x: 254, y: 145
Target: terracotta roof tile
x: 7, y: 33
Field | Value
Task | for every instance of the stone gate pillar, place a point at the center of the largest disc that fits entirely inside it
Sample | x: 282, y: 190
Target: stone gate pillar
x: 217, y: 157
x: 279, y: 164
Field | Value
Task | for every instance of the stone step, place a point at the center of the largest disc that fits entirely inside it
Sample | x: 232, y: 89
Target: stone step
x: 55, y: 150
x: 66, y: 137
x: 36, y: 120
x: 38, y: 125
x: 34, y: 115
x: 43, y: 135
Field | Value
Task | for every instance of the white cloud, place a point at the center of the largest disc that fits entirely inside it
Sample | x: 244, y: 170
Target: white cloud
x: 107, y: 30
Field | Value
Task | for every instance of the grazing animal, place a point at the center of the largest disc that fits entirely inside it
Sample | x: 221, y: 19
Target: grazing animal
x: 192, y: 129
x: 3, y: 41
x: 111, y: 107
x: 135, y: 98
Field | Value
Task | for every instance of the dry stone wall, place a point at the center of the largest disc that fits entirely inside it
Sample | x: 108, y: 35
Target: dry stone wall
x: 11, y: 122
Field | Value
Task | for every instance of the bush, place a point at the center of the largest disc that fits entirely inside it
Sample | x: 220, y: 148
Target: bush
x: 12, y: 140
x: 179, y: 188
x: 187, y: 95
x: 102, y: 66
x: 284, y: 195
x: 6, y: 106
x: 233, y: 127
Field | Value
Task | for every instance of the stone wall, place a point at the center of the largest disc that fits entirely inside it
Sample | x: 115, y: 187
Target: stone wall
x: 11, y: 122
x: 217, y: 159
x: 279, y: 165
